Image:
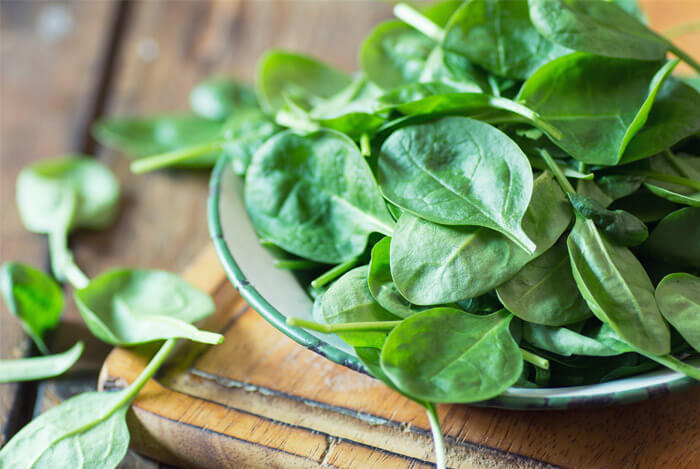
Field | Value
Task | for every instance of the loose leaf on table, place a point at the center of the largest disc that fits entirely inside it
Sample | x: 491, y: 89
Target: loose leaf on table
x: 243, y: 133
x: 315, y: 196
x: 349, y: 300
x: 678, y: 297
x: 621, y: 227
x: 617, y: 289
x: 602, y: 341
x: 596, y: 26
x: 135, y: 306
x: 447, y: 355
x: 33, y: 297
x: 675, y: 239
x: 152, y: 135
x: 683, y: 166
x: 283, y: 76
x: 437, y: 264
x: 499, y: 36
x: 461, y: 172
x: 595, y: 131
x: 219, y: 97
x: 674, y: 116
x: 544, y: 291
x: 381, y: 285
x: 57, y: 195
x: 35, y: 368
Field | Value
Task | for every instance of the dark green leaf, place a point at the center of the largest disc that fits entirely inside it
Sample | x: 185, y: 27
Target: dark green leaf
x: 678, y: 296
x: 685, y: 166
x: 619, y: 226
x: 645, y: 206
x: 675, y: 239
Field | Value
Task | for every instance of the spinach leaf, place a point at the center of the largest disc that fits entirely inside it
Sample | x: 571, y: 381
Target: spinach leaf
x: 498, y: 35
x: 544, y: 291
x: 595, y: 131
x: 436, y: 264
x: 678, y: 297
x: 453, y: 70
x: 282, y: 76
x: 447, y: 355
x: 674, y: 116
x: 315, y: 196
x: 596, y: 26
x: 617, y: 289
x: 645, y: 205
x: 243, y: 134
x: 86, y: 431
x: 603, y: 342
x: 675, y: 239
x: 381, y: 285
x: 619, y: 226
x: 617, y: 186
x: 34, y: 298
x: 135, y: 306
x: 57, y: 195
x: 453, y: 165
x: 218, y: 97
x: 152, y: 135
x: 349, y: 300
x: 29, y: 369
x: 687, y: 167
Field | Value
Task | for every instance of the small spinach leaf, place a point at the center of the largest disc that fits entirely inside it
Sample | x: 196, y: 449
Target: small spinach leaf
x: 219, y: 97
x: 29, y: 369
x: 243, y: 134
x: 684, y: 166
x: 621, y: 227
x: 33, y: 297
x: 603, y: 342
x: 678, y: 297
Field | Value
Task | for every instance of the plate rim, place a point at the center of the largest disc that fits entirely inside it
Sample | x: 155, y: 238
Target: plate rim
x: 513, y: 398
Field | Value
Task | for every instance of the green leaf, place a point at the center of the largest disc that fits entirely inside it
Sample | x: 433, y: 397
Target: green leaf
x: 36, y: 368
x: 435, y: 264
x: 617, y: 289
x: 674, y: 116
x: 452, y: 165
x: 544, y: 291
x: 675, y: 239
x: 152, y: 135
x: 595, y: 26
x: 243, y: 133
x: 315, y: 196
x: 283, y: 76
x: 349, y: 300
x: 498, y: 35
x: 685, y: 166
x: 595, y: 131
x: 645, y: 205
x: 453, y: 70
x: 33, y: 297
x: 135, y: 306
x: 603, y: 342
x: 381, y: 285
x: 446, y: 355
x: 619, y: 226
x: 219, y: 97
x: 678, y: 297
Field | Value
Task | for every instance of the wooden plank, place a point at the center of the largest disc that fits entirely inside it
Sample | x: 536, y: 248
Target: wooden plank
x: 48, y: 51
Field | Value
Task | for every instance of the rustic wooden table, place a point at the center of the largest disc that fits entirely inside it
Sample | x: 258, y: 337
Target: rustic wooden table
x: 64, y: 64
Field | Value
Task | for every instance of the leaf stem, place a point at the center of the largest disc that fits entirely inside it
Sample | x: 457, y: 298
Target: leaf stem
x: 150, y: 163
x: 684, y: 56
x: 419, y: 21
x: 149, y: 371
x: 666, y: 178
x: 333, y: 273
x: 74, y: 275
x: 527, y: 113
x: 365, y: 145
x: 292, y: 121
x: 346, y: 327
x: 671, y: 362
x: 438, y: 438
x: 558, y: 173
x: 295, y: 264
x: 536, y: 360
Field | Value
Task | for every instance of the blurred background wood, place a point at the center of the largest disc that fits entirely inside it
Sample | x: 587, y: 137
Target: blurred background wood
x: 64, y: 63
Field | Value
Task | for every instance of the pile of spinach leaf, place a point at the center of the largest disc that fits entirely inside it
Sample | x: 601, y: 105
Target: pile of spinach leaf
x: 506, y: 193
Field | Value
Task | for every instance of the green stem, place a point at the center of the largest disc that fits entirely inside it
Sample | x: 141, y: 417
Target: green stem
x: 684, y: 57
x: 526, y: 112
x: 149, y: 371
x: 346, y: 327
x: 438, y: 439
x: 295, y: 264
x: 164, y: 160
x: 671, y: 362
x: 365, y: 145
x: 334, y: 273
x: 671, y: 159
x: 417, y: 20
x: 536, y: 360
x: 290, y: 120
x: 60, y: 254
x: 494, y: 86
x: 74, y: 275
x: 558, y: 173
x: 666, y: 178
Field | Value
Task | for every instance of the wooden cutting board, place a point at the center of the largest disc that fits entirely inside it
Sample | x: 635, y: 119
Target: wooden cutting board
x: 261, y: 400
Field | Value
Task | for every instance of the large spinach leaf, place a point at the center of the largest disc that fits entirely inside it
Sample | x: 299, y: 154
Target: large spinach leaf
x: 315, y: 196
